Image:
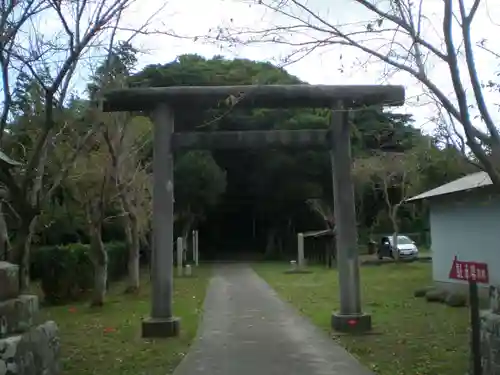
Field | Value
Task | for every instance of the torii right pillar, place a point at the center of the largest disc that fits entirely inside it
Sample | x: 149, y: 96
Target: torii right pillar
x: 350, y: 318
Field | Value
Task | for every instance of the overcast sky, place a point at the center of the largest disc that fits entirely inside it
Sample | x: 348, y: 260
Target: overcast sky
x: 196, y: 17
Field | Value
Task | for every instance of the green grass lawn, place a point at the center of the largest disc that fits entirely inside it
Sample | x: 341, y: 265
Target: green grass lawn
x: 107, y: 341
x: 416, y: 337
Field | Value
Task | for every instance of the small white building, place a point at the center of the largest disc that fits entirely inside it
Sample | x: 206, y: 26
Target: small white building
x: 464, y: 222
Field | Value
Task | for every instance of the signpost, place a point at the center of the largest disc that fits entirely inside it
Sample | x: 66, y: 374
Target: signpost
x: 473, y: 273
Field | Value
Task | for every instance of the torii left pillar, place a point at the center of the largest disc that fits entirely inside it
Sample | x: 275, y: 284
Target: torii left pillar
x: 162, y: 323
x: 350, y: 318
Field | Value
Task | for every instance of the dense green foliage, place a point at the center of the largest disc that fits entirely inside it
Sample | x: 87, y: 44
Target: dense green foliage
x: 265, y: 200
x: 66, y: 271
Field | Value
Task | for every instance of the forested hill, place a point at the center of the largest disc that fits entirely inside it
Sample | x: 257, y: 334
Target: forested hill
x: 267, y: 195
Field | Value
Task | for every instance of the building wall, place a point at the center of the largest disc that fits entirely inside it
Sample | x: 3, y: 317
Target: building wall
x: 468, y: 226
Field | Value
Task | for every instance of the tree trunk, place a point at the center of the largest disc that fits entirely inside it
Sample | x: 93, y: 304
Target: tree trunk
x: 185, y: 237
x: 4, y: 236
x: 132, y: 241
x: 100, y: 262
x: 144, y: 244
x: 395, y: 227
x: 18, y: 256
x: 20, y: 253
x: 279, y: 246
x: 330, y: 245
x: 271, y: 242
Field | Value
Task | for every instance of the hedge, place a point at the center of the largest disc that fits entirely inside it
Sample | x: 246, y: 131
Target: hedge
x: 66, y: 271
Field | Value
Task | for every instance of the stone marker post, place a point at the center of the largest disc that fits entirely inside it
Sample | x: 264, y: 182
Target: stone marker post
x: 196, y: 247
x: 180, y: 255
x: 193, y: 246
x: 350, y: 318
x: 300, y: 250
x: 24, y: 348
x: 162, y: 323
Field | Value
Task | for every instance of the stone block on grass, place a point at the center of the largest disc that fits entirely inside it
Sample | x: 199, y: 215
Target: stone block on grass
x: 35, y: 352
x: 436, y: 295
x: 18, y: 314
x: 455, y: 299
x: 421, y: 292
x: 9, y: 281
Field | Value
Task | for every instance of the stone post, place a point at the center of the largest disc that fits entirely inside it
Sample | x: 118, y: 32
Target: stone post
x: 20, y: 342
x: 196, y: 248
x: 162, y: 323
x: 180, y: 255
x: 300, y: 250
x: 350, y: 318
x: 193, y: 247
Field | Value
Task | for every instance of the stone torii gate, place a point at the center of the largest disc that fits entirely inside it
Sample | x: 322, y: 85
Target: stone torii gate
x: 163, y: 102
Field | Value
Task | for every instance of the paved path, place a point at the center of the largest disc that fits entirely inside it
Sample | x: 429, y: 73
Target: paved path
x: 247, y: 330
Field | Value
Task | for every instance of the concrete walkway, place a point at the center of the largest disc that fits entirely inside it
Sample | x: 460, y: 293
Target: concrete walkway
x: 247, y: 330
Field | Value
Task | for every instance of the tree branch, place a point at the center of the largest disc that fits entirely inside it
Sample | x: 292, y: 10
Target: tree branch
x: 473, y: 74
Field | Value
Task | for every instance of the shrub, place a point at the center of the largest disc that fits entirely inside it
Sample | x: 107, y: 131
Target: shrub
x: 66, y: 272
x: 117, y: 260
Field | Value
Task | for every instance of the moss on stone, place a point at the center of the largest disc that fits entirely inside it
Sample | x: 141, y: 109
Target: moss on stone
x: 456, y: 300
x: 421, y: 292
x: 436, y: 295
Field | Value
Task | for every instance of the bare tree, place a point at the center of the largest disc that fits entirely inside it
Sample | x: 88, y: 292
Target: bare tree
x: 324, y: 210
x: 85, y: 29
x: 401, y: 35
x: 89, y: 180
x: 125, y: 138
x: 395, y: 176
x: 13, y: 16
x: 33, y: 56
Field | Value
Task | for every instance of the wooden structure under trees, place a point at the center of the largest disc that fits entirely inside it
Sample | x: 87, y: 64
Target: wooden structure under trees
x: 163, y: 102
x: 320, y: 246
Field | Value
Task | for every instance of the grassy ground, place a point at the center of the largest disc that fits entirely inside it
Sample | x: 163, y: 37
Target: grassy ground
x: 107, y: 341
x: 416, y: 337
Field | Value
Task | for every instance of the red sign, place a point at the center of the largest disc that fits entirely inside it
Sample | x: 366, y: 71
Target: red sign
x: 469, y: 271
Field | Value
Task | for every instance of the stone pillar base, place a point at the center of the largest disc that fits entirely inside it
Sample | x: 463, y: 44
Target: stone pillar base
x: 158, y: 328
x: 354, y: 324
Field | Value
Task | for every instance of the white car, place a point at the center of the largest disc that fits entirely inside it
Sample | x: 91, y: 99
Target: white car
x: 406, y: 247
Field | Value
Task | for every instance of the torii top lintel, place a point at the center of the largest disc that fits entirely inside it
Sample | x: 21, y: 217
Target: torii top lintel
x: 257, y: 96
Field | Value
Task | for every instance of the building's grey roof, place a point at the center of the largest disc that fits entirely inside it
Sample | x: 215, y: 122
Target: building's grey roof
x: 469, y: 182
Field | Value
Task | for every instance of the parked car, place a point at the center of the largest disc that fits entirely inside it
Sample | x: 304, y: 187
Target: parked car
x: 405, y: 246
